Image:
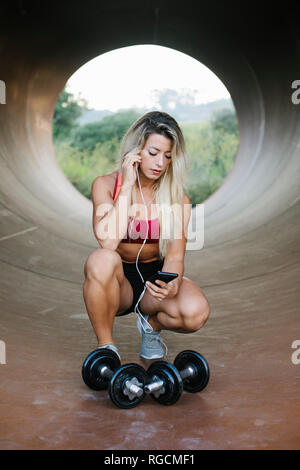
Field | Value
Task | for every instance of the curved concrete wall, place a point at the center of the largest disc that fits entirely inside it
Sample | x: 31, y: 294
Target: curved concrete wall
x: 248, y: 269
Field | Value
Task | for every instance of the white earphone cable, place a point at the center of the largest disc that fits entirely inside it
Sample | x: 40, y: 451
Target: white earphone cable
x: 148, y: 328
x: 143, y: 321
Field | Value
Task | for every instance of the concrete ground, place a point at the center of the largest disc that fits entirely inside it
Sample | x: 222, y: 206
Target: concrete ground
x: 249, y: 267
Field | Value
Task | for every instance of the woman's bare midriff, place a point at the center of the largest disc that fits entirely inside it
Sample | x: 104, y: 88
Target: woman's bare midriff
x: 129, y: 251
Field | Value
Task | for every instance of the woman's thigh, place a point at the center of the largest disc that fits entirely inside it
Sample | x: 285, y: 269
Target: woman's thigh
x: 126, y: 295
x: 96, y: 267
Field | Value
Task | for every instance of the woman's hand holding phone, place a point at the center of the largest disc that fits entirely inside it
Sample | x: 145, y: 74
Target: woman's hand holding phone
x: 130, y: 163
x: 168, y: 290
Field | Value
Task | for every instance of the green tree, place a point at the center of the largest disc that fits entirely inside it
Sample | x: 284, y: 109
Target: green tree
x: 82, y: 166
x: 87, y: 151
x: 88, y: 136
x: 211, y: 149
x: 225, y: 120
x: 67, y: 111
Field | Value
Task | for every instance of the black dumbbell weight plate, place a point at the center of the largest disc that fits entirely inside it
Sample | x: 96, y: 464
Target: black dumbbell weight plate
x: 117, y: 389
x: 172, y: 382
x: 95, y: 360
x: 200, y: 379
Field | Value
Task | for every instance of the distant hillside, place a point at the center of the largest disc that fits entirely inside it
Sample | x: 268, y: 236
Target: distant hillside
x: 92, y: 115
x: 202, y: 112
x: 189, y: 113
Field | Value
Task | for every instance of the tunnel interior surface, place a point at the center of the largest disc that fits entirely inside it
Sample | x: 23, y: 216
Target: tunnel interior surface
x: 248, y: 268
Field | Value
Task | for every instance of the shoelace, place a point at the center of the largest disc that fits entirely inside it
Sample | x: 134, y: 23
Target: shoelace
x: 158, y: 338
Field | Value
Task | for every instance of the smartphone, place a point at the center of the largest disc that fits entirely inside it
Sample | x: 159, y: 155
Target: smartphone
x: 162, y: 276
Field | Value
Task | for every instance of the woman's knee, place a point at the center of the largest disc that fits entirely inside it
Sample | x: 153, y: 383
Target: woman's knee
x: 101, y: 263
x: 195, y: 315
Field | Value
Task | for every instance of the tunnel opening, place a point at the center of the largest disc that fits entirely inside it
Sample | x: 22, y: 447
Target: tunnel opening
x: 98, y: 104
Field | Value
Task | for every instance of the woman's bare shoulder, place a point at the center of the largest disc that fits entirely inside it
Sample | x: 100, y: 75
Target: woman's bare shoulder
x: 186, y: 199
x: 104, y: 182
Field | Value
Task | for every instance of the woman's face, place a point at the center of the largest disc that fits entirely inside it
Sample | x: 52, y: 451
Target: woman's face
x: 156, y: 155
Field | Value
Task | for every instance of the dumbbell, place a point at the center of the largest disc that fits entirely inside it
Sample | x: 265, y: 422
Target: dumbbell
x: 130, y: 383
x: 99, y: 367
x: 190, y: 372
x: 193, y: 369
x: 126, y: 388
x: 164, y: 383
x: 102, y: 369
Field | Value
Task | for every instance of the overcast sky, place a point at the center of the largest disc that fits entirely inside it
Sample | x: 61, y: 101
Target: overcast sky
x: 124, y: 77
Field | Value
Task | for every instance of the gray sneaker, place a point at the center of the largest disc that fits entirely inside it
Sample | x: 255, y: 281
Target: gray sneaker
x: 151, y: 345
x: 112, y: 347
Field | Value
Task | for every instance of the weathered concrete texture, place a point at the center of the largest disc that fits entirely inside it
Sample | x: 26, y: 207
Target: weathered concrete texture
x: 249, y: 268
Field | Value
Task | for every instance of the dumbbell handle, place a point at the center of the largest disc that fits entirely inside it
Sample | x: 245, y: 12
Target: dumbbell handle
x: 188, y: 371
x: 154, y: 386
x: 157, y: 383
x: 133, y: 388
x: 105, y: 371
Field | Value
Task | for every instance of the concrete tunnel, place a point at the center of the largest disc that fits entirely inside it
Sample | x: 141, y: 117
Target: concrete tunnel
x: 249, y: 267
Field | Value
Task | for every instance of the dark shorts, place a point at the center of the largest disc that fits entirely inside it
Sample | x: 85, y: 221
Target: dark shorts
x: 131, y: 273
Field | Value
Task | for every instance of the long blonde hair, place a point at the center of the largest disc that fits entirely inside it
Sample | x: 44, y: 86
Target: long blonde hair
x: 169, y: 188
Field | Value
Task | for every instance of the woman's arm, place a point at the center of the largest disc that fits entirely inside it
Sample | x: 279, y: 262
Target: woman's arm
x: 174, y: 258
x: 110, y: 218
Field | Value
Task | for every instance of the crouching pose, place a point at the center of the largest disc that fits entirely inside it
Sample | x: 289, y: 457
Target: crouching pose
x: 141, y: 212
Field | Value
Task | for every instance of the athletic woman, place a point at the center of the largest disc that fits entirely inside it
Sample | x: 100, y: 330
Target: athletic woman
x: 147, y: 185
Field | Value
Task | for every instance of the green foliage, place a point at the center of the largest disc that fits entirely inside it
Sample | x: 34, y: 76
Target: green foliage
x: 82, y: 166
x: 225, y: 120
x: 86, y: 137
x: 211, y: 149
x: 84, y: 152
x: 66, y: 113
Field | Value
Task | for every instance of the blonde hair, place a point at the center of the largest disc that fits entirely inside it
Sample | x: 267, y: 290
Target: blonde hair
x: 168, y: 189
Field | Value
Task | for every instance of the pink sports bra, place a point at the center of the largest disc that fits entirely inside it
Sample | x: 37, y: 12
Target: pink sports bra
x: 137, y: 228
